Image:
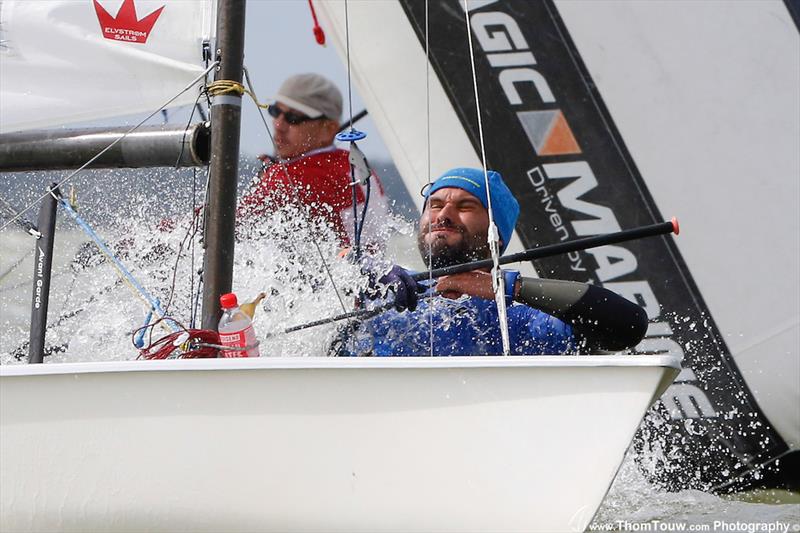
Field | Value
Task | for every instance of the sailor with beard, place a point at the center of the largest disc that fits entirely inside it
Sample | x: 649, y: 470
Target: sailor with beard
x: 460, y: 315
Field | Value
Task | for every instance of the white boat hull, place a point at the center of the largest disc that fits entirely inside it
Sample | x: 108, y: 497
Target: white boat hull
x: 322, y: 444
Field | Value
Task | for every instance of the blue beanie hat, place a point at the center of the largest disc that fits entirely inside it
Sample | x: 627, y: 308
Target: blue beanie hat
x: 505, y: 207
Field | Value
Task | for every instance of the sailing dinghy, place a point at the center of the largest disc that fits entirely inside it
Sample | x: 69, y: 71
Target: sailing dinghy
x: 318, y: 443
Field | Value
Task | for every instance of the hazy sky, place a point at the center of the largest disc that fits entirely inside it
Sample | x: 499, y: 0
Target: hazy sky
x: 279, y: 42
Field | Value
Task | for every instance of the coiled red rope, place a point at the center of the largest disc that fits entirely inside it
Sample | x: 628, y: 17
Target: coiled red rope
x: 193, y: 343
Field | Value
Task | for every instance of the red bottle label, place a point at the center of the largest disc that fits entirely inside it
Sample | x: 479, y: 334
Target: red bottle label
x: 239, y: 339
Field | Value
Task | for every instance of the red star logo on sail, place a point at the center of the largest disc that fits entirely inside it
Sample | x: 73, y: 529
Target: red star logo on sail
x: 126, y: 26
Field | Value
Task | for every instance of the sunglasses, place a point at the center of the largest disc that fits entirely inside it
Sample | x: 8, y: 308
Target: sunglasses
x: 291, y: 118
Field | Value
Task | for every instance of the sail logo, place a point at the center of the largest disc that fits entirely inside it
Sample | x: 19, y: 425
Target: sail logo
x: 517, y: 71
x: 126, y: 26
x: 507, y: 50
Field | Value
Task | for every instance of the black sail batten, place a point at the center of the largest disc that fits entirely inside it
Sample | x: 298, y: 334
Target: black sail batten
x: 548, y: 131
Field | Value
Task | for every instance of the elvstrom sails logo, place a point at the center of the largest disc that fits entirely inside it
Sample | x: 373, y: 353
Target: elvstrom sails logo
x: 126, y: 26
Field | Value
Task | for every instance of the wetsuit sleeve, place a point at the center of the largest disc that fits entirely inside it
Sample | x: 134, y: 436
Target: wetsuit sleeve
x: 600, y: 318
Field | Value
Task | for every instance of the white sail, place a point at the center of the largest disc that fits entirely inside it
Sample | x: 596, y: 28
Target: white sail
x: 715, y: 134
x: 710, y: 119
x: 63, y: 61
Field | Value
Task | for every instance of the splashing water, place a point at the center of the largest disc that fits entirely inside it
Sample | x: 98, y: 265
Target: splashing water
x: 633, y: 503
x: 93, y: 314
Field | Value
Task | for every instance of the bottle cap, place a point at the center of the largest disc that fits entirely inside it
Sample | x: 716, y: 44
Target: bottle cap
x: 228, y: 301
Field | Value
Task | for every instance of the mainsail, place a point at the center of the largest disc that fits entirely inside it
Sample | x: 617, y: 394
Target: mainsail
x: 63, y: 61
x: 553, y: 138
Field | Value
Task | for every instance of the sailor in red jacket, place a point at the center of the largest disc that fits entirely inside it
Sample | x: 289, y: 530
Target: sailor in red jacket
x: 308, y: 168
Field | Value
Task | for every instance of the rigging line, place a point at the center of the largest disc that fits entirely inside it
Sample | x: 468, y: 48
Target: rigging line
x: 347, y: 53
x: 428, y: 158
x: 196, y: 306
x: 126, y: 275
x: 358, y: 159
x: 360, y: 228
x: 357, y: 226
x: 498, y: 281
x: 192, y: 249
x: 354, y: 184
x: 306, y: 213
x: 107, y: 148
x: 200, y: 221
x: 187, y: 237
x: 24, y: 224
x: 189, y: 234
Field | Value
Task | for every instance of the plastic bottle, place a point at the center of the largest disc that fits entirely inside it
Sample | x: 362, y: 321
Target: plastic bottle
x: 236, y: 329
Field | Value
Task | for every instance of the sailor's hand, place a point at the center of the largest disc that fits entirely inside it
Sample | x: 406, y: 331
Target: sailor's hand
x: 476, y: 283
x: 400, y: 283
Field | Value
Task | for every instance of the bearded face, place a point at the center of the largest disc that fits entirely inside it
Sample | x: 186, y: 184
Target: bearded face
x: 453, y: 229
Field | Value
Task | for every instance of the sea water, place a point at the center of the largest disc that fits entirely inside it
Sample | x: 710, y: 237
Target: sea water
x: 93, y: 316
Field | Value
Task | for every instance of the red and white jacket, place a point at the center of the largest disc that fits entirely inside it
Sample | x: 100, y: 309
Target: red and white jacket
x: 321, y: 180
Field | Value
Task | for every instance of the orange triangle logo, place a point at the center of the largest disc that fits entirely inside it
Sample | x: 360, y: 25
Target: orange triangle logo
x: 560, y: 140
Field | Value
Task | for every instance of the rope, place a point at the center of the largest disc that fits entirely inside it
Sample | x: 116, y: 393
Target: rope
x: 191, y: 232
x: 195, y: 343
x: 227, y: 87
x: 358, y: 225
x: 428, y: 155
x: 107, y: 148
x: 498, y: 282
x: 194, y: 226
x: 354, y: 182
x: 353, y: 185
x: 220, y: 87
x: 125, y: 274
x: 23, y: 224
x: 347, y: 50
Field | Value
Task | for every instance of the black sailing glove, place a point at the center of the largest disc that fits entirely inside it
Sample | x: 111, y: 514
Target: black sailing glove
x: 399, y: 282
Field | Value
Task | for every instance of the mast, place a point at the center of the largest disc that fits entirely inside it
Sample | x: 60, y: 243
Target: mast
x: 226, y: 111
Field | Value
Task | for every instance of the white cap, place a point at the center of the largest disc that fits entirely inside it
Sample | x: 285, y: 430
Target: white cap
x: 311, y: 94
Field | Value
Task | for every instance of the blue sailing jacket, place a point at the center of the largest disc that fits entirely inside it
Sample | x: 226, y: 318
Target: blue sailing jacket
x: 465, y: 326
